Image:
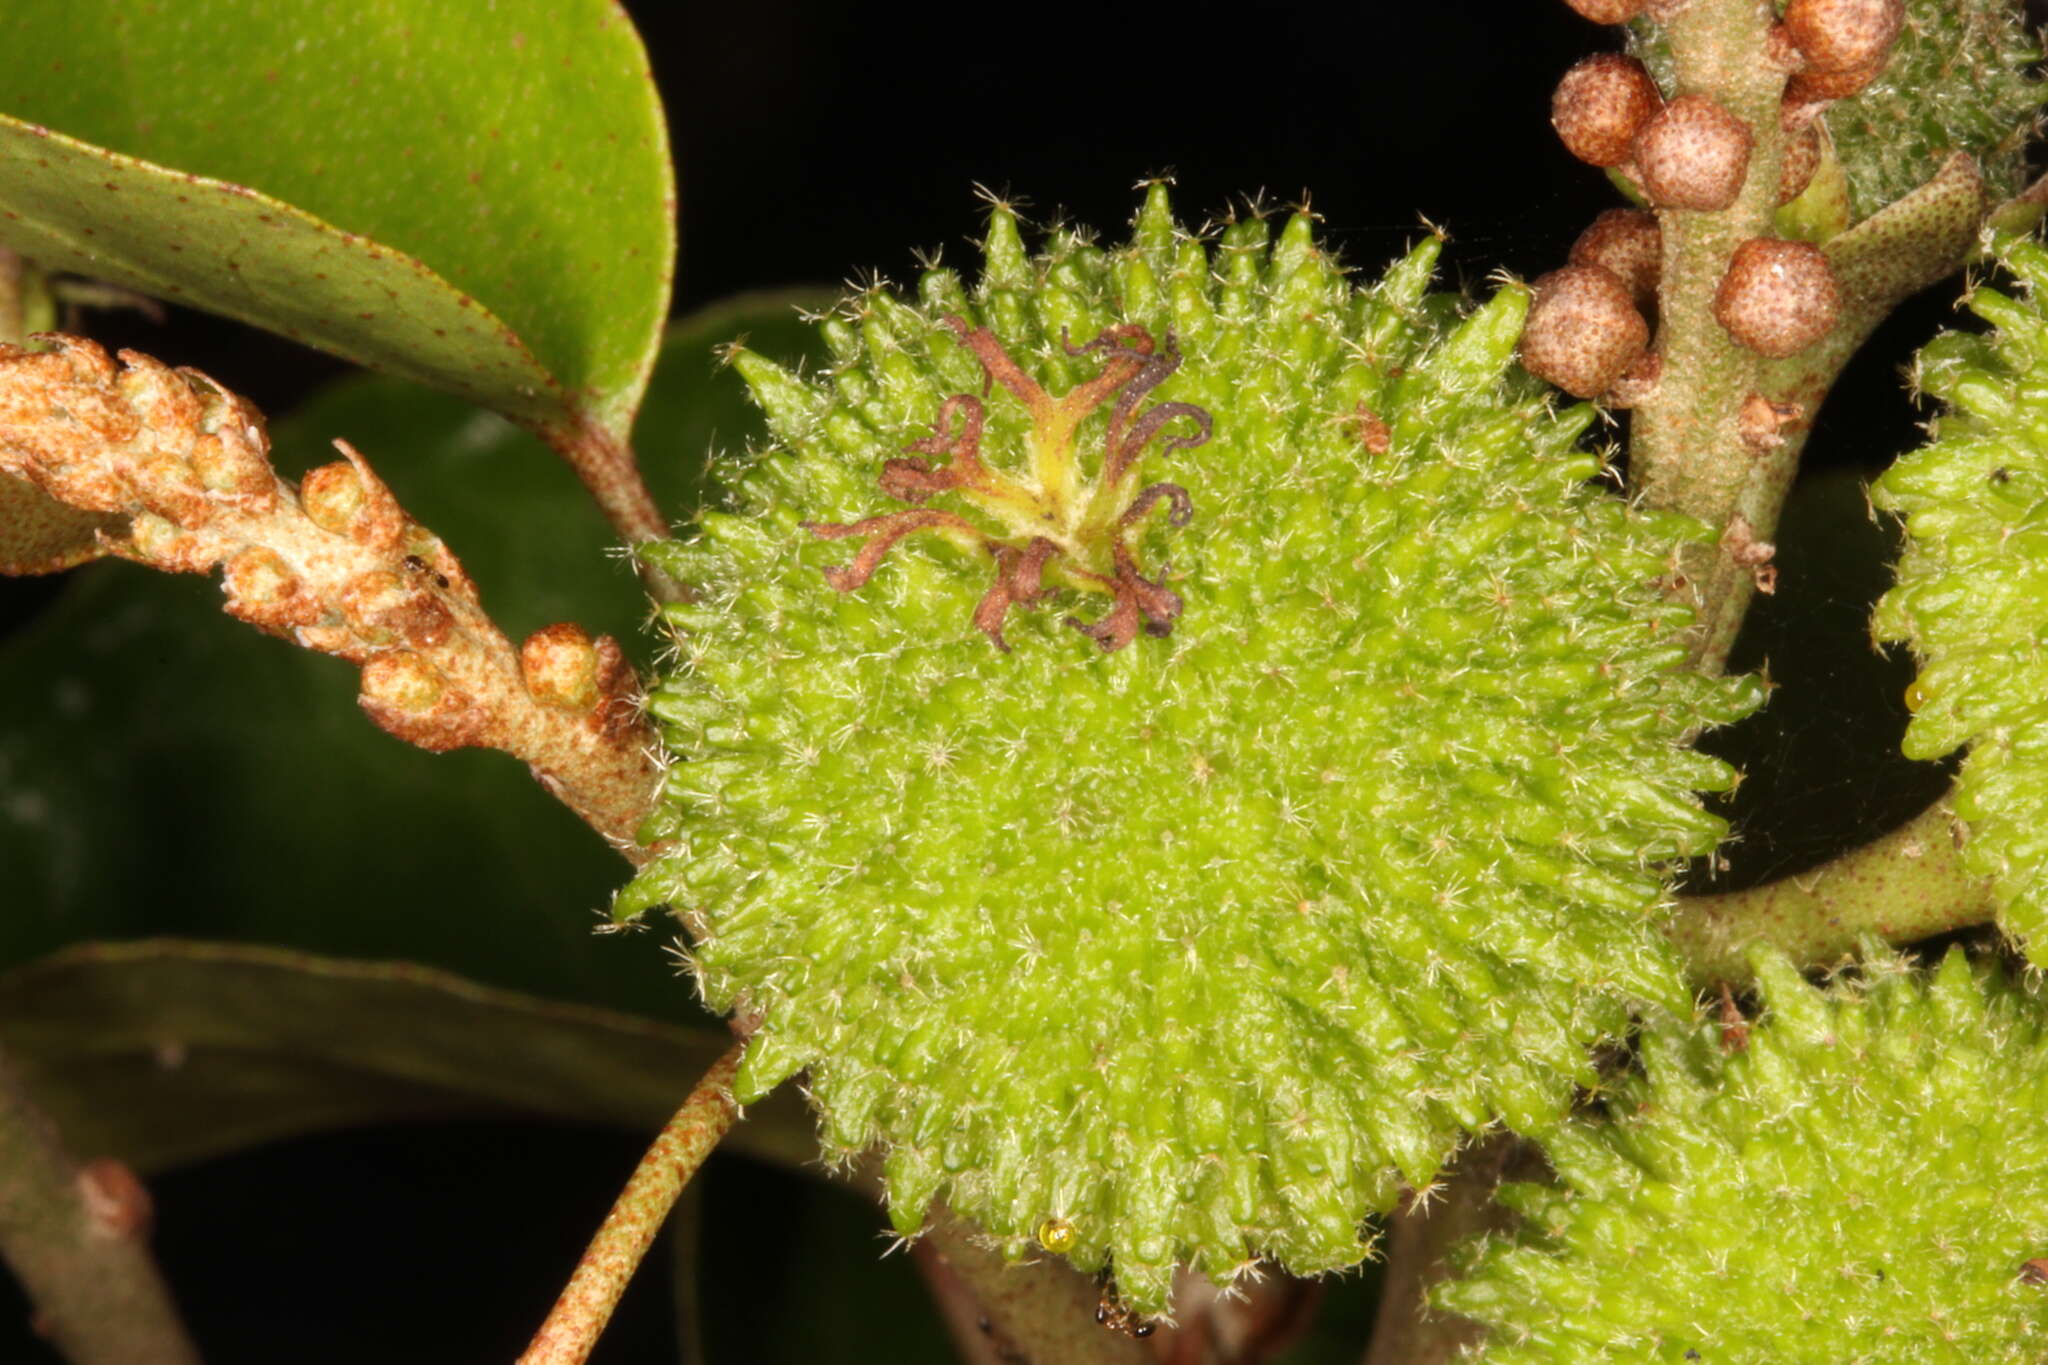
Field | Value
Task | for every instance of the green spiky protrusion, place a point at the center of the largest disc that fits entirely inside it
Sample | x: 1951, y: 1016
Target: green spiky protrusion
x: 1957, y: 81
x: 1867, y: 1182
x: 1972, y: 588
x: 1197, y: 949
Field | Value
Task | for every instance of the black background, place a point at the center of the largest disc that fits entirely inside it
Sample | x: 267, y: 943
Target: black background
x: 819, y: 142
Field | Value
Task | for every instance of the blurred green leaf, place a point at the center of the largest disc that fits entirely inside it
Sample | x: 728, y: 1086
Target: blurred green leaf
x: 165, y: 770
x: 164, y: 1052
x: 478, y: 197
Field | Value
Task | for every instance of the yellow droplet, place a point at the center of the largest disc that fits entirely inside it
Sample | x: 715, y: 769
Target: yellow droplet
x: 1057, y: 1235
x: 1916, y: 695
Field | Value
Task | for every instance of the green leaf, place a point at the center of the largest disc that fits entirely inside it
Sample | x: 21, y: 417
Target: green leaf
x: 476, y: 197
x: 165, y: 1052
x: 166, y: 770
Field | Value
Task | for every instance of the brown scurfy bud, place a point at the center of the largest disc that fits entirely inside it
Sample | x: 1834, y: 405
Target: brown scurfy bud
x: 1801, y: 160
x: 382, y: 608
x: 1836, y: 35
x: 1778, y: 297
x: 232, y: 467
x: 262, y: 590
x: 1815, y: 85
x: 1693, y: 155
x: 347, y: 498
x: 1600, y: 104
x: 333, y: 497
x: 402, y: 681
x: 160, y: 544
x: 1638, y: 383
x: 1583, y: 331
x: 167, y: 486
x: 1607, y: 11
x: 559, y: 665
x: 1628, y: 243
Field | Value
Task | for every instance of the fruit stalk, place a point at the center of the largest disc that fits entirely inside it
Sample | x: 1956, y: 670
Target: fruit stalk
x: 1909, y: 885
x: 586, y: 1303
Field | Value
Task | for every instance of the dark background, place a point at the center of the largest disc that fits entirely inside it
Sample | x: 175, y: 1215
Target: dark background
x: 818, y: 142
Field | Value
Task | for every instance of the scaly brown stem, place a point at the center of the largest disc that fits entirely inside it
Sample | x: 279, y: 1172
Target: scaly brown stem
x: 333, y: 564
x: 1908, y: 885
x: 580, y: 1314
x: 77, y: 1238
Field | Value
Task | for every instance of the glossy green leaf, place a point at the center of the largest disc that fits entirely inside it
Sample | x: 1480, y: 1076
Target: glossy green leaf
x: 165, y: 770
x: 478, y: 197
x: 164, y: 1052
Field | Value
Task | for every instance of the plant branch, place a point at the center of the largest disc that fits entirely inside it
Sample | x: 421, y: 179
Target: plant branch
x: 333, y: 564
x: 1419, y: 1235
x: 1686, y: 446
x: 1720, y: 432
x: 1039, y: 1312
x: 611, y: 473
x: 1908, y: 885
x: 585, y: 1306
x: 77, y: 1238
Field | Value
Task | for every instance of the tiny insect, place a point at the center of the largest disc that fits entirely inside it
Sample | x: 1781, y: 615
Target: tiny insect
x: 415, y: 565
x: 1118, y: 1318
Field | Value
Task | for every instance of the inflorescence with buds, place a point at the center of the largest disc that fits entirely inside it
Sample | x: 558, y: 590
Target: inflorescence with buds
x: 333, y: 564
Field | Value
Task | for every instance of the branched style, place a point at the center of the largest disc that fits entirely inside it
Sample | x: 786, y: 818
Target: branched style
x: 1861, y: 1177
x: 181, y: 467
x: 1194, y: 950
x: 1056, y: 520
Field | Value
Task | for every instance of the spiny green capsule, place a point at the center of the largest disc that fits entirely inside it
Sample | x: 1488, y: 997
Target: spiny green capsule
x: 1865, y: 1178
x: 1971, y: 594
x: 1170, y: 740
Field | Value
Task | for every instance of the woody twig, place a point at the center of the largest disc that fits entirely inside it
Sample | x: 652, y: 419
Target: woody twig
x: 333, y: 564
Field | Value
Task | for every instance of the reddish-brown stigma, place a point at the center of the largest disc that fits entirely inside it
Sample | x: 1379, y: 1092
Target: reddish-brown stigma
x: 1059, y: 529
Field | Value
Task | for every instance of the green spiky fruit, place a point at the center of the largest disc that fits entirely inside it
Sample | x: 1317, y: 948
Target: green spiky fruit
x: 1191, y: 933
x: 1866, y: 1181
x: 1972, y: 587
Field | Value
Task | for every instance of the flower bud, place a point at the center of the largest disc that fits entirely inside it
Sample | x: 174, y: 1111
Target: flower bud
x: 1778, y: 297
x: 333, y: 496
x: 1628, y: 243
x: 402, y: 681
x: 1812, y: 85
x: 1801, y: 160
x: 1607, y: 11
x: 559, y: 665
x: 1837, y: 35
x: 1693, y: 155
x: 1600, y: 104
x: 1583, y: 330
